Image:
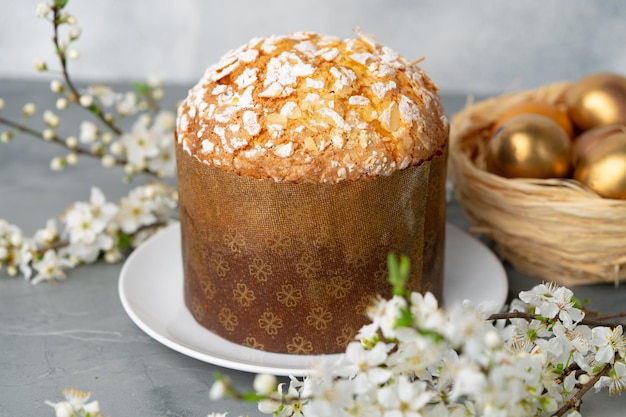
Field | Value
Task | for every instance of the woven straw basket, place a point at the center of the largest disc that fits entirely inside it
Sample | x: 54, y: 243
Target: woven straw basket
x: 554, y: 229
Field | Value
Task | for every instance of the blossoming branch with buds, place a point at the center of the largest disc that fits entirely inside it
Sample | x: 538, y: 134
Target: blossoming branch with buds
x: 415, y: 360
x: 95, y: 229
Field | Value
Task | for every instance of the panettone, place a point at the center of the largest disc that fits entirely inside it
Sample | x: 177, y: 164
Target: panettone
x: 303, y: 160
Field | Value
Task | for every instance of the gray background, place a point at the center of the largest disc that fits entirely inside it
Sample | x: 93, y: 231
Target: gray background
x: 482, y: 46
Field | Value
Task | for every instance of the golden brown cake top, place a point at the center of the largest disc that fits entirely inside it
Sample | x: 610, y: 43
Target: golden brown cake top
x: 313, y: 108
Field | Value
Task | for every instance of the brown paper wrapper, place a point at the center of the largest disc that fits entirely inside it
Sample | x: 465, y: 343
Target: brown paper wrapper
x: 291, y: 268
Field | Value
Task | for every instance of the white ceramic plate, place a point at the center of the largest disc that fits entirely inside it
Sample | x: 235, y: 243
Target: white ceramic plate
x: 151, y: 291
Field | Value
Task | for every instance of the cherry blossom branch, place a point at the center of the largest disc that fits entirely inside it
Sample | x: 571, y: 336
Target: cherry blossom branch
x: 527, y: 316
x: 74, y: 94
x: 571, y: 403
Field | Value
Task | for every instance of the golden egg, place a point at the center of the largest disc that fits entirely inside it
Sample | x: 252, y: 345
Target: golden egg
x: 597, y: 100
x: 603, y: 168
x: 551, y: 111
x: 529, y: 146
x: 590, y: 138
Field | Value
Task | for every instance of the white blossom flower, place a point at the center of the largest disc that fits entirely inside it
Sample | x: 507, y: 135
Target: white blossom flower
x: 43, y: 9
x: 104, y: 93
x: 364, y: 365
x: 127, y: 106
x: 608, y: 343
x: 50, y: 267
x: 403, y: 397
x: 134, y: 213
x: 218, y: 390
x: 141, y: 143
x: 75, y: 402
x: 552, y: 301
x: 616, y: 380
x: 47, y: 235
x: 63, y: 409
x: 88, y: 132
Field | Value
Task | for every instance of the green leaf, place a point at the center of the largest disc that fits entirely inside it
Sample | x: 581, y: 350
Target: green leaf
x: 399, y: 270
x: 252, y: 397
x: 405, y: 319
x: 142, y: 88
x: 124, y: 240
x: 60, y: 4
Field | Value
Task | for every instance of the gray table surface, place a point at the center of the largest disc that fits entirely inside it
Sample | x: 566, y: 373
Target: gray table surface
x: 76, y: 334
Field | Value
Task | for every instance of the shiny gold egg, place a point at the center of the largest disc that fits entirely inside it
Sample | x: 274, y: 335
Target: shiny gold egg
x: 590, y: 138
x: 603, y: 168
x: 529, y: 146
x: 597, y: 100
x: 549, y: 110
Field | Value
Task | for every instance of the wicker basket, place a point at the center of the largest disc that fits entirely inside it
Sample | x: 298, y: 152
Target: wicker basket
x: 554, y: 229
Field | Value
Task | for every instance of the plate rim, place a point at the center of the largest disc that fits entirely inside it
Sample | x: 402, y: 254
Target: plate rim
x: 251, y: 366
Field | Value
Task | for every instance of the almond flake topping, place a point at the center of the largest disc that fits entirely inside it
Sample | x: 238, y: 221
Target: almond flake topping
x: 332, y: 109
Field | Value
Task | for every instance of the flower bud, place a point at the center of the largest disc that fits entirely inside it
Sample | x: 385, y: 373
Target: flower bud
x: 57, y: 164
x: 86, y: 100
x: 116, y: 148
x: 16, y: 239
x: 48, y: 134
x: 40, y: 65
x: 29, y: 109
x: 72, y: 159
x: 107, y: 138
x: 50, y: 118
x: 5, y: 137
x: 12, y: 270
x: 62, y: 103
x: 157, y: 94
x: 1, y: 103
x: 43, y: 9
x: 75, y: 33
x: 71, y: 142
x: 56, y: 86
x: 108, y: 161
x: 73, y: 54
x: 129, y: 169
x: 217, y: 391
x: 265, y: 383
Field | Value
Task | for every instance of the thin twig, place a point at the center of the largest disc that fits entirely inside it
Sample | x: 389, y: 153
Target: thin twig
x: 527, y: 316
x: 581, y: 392
x: 74, y: 94
x: 55, y: 139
